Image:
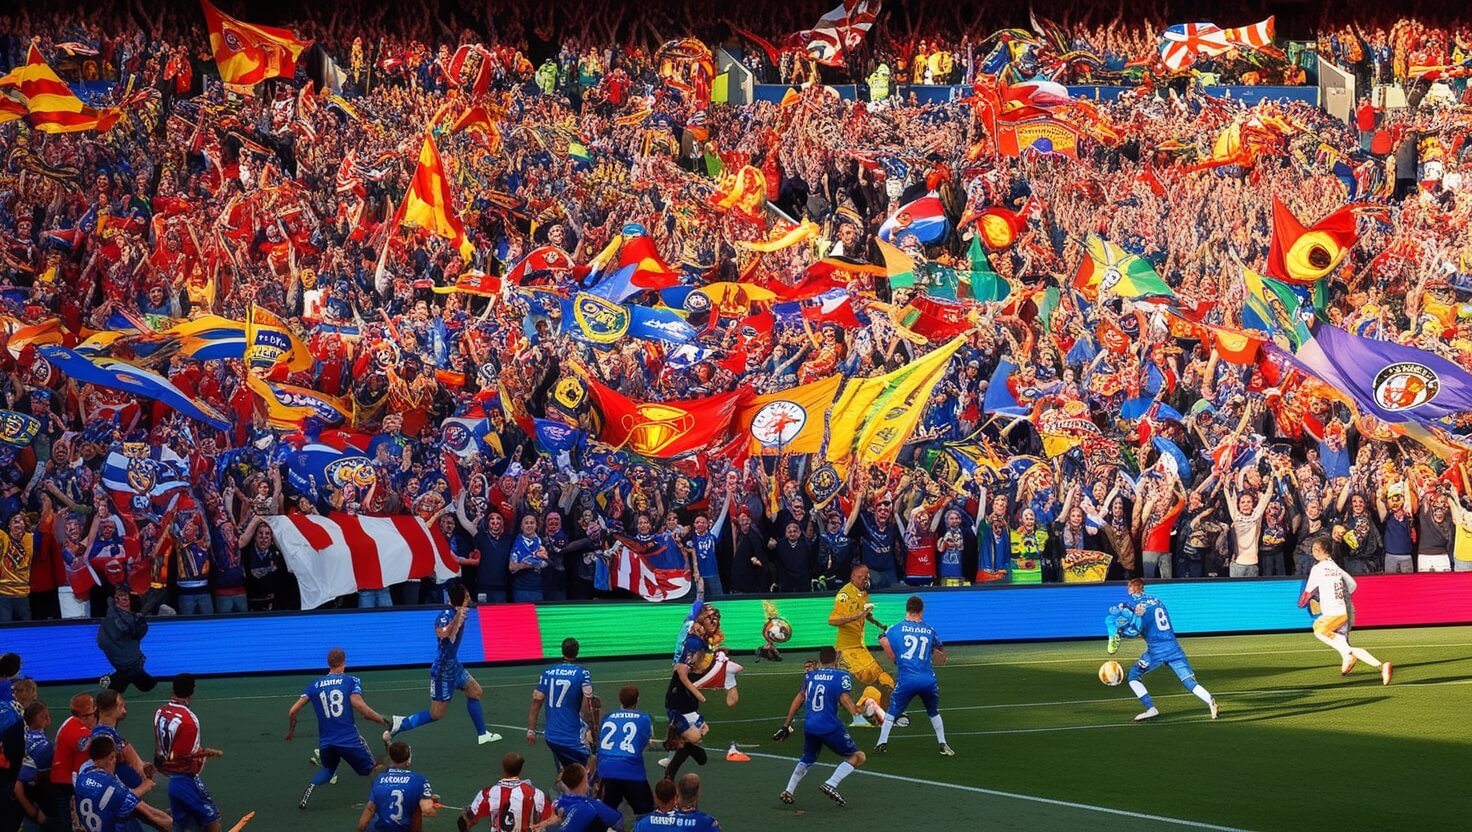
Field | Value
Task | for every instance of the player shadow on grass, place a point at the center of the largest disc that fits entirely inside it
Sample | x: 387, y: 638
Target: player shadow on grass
x: 1268, y: 710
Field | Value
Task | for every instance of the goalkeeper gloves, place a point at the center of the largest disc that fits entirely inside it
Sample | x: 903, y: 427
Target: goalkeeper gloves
x: 1114, y: 644
x: 782, y: 733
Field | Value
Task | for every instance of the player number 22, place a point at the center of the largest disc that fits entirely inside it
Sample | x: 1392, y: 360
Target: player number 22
x: 626, y: 744
x: 331, y: 702
x: 916, y: 645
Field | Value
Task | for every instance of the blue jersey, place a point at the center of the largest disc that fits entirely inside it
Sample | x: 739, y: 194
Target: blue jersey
x: 331, y: 698
x: 37, y: 762
x: 131, y: 777
x: 682, y: 642
x: 1122, y: 621
x: 1155, y: 627
x: 621, y: 742
x: 659, y: 821
x: 581, y: 813
x: 448, y: 655
x: 823, y: 687
x: 395, y: 797
x: 913, y: 643
x: 563, y: 686
x: 103, y: 803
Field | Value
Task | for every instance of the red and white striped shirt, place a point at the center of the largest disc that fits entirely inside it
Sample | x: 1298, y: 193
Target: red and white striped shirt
x: 176, y: 738
x: 511, y: 805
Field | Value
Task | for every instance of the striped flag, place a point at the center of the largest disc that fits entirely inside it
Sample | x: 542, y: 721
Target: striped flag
x: 36, y: 90
x: 631, y: 571
x: 1181, y: 43
x: 428, y: 203
x: 338, y: 553
x: 839, y: 31
x: 248, y: 54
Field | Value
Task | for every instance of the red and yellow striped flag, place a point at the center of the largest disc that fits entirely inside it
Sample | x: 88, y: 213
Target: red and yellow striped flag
x: 36, y: 90
x: 428, y: 204
x: 247, y: 53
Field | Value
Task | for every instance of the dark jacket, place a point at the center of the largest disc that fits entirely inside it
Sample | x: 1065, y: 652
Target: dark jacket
x: 120, y: 637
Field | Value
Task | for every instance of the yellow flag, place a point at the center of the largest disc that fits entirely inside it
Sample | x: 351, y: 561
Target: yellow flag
x: 269, y: 342
x: 895, y: 409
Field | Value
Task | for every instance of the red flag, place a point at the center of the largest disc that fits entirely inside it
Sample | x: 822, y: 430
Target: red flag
x: 661, y: 430
x: 1304, y: 255
x: 247, y: 53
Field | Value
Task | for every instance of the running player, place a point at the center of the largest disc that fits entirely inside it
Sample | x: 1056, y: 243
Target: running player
x: 179, y: 755
x: 912, y: 645
x: 1147, y: 616
x: 398, y: 795
x: 511, y: 803
x: 621, y: 741
x: 448, y: 675
x: 334, y: 698
x: 824, y: 689
x: 851, y: 609
x: 714, y: 670
x: 103, y: 802
x: 683, y: 698
x: 1333, y: 588
x: 568, y: 691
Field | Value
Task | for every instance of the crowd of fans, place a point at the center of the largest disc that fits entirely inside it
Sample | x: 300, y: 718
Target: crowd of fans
x: 205, y: 202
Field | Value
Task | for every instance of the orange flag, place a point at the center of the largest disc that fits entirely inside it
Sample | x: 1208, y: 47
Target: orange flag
x: 427, y: 203
x: 36, y: 90
x: 247, y: 53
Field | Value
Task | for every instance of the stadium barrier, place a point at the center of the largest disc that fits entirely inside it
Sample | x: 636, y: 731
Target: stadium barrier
x: 928, y: 94
x: 290, y: 642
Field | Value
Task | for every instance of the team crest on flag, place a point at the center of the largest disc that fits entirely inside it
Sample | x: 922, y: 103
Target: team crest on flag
x: 142, y: 474
x: 824, y: 485
x: 778, y: 423
x: 357, y: 470
x: 601, y: 321
x: 655, y: 427
x: 17, y: 429
x: 1405, y: 385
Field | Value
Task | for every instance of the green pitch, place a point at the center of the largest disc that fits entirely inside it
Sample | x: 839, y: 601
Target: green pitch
x: 1040, y: 743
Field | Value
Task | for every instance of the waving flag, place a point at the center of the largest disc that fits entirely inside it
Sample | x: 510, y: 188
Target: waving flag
x: 1180, y: 44
x: 247, y: 53
x: 628, y: 265
x: 541, y: 259
x: 150, y: 471
x: 1303, y: 255
x: 838, y: 32
x: 340, y: 553
x: 925, y: 218
x: 1393, y: 383
x: 631, y: 571
x: 269, y: 341
x: 34, y: 89
x: 428, y: 203
x: 287, y: 405
x: 1272, y: 306
x: 1109, y: 269
x: 897, y: 407
x: 119, y: 375
x: 661, y: 430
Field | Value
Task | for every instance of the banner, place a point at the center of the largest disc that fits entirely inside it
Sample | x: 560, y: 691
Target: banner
x: 1085, y: 566
x: 342, y: 553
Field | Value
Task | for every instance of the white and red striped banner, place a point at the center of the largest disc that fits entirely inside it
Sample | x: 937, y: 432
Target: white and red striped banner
x: 339, y: 553
x: 631, y: 571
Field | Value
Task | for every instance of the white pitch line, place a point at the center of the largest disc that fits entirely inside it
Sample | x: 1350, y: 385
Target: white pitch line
x: 1067, y: 804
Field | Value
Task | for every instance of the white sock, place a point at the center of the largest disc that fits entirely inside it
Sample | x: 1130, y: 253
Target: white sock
x: 798, y: 772
x: 1364, y: 655
x: 843, y: 770
x: 1337, y: 642
x: 1202, y: 694
x: 940, y: 729
x: 1139, y: 688
x: 885, y: 729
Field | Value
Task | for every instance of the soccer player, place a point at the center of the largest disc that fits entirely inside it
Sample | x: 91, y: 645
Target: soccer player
x: 687, y: 807
x: 567, y: 689
x: 683, y: 698
x: 398, y: 794
x: 33, y: 780
x: 111, y: 711
x: 1147, y: 616
x: 851, y: 609
x: 103, y: 802
x: 914, y: 647
x: 448, y: 675
x: 714, y: 669
x: 334, y: 698
x: 621, y: 741
x: 663, y: 817
x: 578, y: 812
x: 512, y: 804
x: 70, y: 753
x: 179, y: 755
x: 1333, y: 587
x: 824, y: 689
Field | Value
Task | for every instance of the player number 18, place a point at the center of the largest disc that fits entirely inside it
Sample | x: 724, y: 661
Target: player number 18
x: 332, y: 702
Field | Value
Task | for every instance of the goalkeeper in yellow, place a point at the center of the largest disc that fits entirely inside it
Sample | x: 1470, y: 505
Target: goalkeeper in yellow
x: 851, y: 609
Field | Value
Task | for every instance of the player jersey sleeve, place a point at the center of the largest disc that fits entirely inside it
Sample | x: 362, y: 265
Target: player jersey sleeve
x: 129, y: 803
x: 1349, y: 584
x: 355, y: 686
x: 480, y: 806
x: 607, y: 815
x: 935, y: 642
x: 442, y: 620
x: 587, y: 680
x: 544, y: 686
x: 426, y: 792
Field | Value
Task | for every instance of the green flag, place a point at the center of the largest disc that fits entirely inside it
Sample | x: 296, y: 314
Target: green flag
x: 986, y: 284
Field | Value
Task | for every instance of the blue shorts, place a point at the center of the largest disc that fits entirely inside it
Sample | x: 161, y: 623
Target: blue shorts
x: 684, y: 722
x: 358, y: 756
x: 444, y: 682
x: 566, y: 755
x: 1176, y: 660
x: 839, y: 742
x: 926, y: 689
x: 190, y: 802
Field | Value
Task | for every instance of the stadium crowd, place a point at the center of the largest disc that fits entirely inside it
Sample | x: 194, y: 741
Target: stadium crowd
x: 1077, y: 431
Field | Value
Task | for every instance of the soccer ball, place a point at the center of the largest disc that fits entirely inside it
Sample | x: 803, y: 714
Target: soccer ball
x: 1110, y: 673
x: 777, y: 631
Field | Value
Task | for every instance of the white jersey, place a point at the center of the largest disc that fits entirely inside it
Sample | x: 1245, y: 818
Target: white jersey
x: 1333, y: 585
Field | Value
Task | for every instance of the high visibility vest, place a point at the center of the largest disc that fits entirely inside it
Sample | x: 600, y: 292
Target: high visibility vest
x: 879, y: 84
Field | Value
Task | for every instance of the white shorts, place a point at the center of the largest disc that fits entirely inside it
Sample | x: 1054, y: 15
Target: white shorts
x: 1434, y: 563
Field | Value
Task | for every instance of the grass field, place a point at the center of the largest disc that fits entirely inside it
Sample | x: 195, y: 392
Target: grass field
x: 1040, y: 743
